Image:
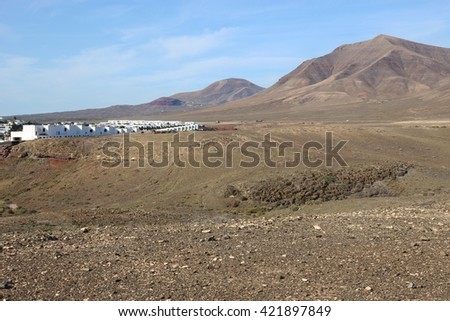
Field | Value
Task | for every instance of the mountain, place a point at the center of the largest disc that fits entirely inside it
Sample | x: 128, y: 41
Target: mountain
x: 384, y: 78
x: 384, y: 71
x: 379, y: 69
x: 166, y: 101
x: 220, y: 92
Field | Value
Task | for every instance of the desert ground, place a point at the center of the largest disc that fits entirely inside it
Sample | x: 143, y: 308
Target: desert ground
x: 76, y: 226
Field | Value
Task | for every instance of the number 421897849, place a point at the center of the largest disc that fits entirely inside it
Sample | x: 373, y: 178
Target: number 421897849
x: 288, y: 311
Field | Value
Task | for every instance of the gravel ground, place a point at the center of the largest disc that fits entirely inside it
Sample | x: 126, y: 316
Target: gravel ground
x: 380, y: 254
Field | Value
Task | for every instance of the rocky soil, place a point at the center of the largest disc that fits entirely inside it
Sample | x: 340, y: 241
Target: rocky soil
x: 392, y: 253
x: 73, y: 229
x: 55, y: 148
x: 5, y: 151
x: 324, y: 185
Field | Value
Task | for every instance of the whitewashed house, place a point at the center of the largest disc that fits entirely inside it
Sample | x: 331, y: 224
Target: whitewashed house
x: 112, y: 127
x: 29, y: 132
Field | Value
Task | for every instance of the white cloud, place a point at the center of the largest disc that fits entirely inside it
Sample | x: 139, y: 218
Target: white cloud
x: 130, y: 73
x: 101, y: 77
x: 84, y: 80
x: 127, y: 34
x: 17, y: 63
x: 98, y: 62
x: 189, y: 46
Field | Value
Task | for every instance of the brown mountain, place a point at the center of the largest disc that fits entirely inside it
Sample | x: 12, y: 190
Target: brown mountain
x: 361, y: 79
x: 385, y: 78
x: 220, y: 92
x: 379, y: 69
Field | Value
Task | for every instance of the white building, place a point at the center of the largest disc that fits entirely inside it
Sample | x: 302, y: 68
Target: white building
x: 30, y: 132
x: 181, y: 128
x: 112, y: 127
x: 5, y: 126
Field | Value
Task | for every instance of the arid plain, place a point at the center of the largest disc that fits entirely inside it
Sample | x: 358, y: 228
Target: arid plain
x: 79, y: 230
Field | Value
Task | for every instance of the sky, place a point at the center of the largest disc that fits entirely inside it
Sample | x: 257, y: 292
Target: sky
x: 59, y: 55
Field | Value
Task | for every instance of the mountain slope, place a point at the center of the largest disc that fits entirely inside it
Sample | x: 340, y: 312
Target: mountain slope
x: 220, y: 92
x: 382, y: 68
x: 385, y: 77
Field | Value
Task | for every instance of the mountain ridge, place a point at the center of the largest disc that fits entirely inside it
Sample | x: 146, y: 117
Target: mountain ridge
x: 219, y: 92
x: 365, y: 70
x: 384, y: 74
x: 361, y: 79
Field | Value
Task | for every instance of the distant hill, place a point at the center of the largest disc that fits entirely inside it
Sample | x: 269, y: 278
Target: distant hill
x: 167, y: 101
x: 410, y: 79
x: 219, y: 92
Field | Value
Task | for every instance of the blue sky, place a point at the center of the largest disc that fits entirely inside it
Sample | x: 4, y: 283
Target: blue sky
x: 58, y: 55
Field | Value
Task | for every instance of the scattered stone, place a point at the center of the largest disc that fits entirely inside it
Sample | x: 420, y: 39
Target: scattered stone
x: 6, y: 284
x: 5, y: 151
x: 58, y: 254
x: 425, y: 239
x: 282, y: 277
x: 234, y: 203
x: 368, y: 289
x: 226, y: 237
x: 84, y: 229
x: 231, y: 191
x: 211, y: 238
x: 411, y: 285
x: 13, y: 206
x: 206, y: 231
